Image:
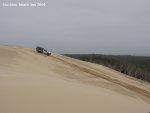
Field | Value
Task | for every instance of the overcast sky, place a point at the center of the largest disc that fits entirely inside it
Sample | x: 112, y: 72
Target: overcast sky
x: 79, y: 26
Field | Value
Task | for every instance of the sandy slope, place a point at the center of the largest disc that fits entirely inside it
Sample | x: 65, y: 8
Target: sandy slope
x: 35, y: 83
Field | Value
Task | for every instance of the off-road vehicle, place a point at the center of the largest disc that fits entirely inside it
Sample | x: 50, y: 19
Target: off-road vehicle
x: 42, y: 50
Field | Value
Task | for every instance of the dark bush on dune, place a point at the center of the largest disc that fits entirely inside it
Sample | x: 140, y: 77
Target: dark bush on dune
x: 135, y: 66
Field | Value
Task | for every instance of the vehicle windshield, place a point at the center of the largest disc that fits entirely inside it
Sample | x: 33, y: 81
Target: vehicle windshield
x: 45, y: 50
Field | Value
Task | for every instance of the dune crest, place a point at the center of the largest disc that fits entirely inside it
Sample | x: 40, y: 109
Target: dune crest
x: 35, y: 83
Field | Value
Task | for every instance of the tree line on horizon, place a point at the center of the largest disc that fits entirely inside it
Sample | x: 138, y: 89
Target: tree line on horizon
x: 135, y: 66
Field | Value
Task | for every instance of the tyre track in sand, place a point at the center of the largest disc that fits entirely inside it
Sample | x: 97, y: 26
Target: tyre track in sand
x: 103, y: 75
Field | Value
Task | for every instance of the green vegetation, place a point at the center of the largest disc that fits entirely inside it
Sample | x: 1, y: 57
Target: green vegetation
x: 136, y: 66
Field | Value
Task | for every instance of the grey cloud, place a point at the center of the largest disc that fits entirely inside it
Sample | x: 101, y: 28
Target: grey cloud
x: 80, y: 26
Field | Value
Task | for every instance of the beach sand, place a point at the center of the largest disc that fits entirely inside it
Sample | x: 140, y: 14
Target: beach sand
x: 35, y: 83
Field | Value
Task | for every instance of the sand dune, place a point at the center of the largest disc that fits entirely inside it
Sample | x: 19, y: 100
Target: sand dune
x: 34, y: 83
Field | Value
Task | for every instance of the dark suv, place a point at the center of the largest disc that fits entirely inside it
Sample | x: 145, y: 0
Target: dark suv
x: 42, y: 50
